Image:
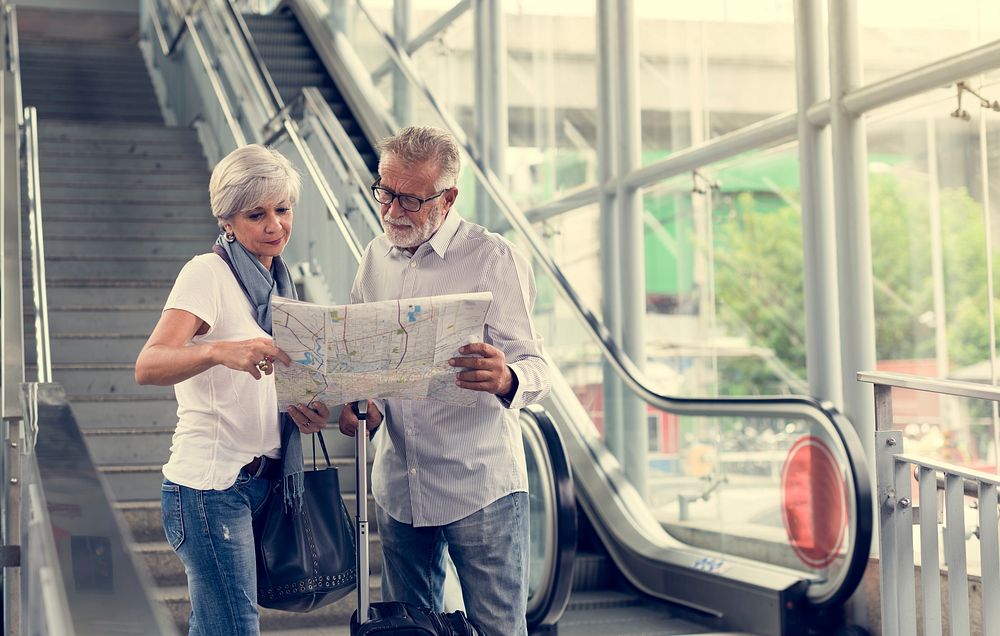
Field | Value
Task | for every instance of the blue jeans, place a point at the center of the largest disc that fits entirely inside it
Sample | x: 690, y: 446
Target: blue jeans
x: 212, y: 533
x: 490, y: 552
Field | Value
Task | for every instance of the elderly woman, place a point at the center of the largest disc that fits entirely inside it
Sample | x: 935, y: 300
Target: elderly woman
x: 213, y: 344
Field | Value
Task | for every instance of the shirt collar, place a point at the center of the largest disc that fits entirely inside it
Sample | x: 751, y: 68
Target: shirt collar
x: 441, y: 239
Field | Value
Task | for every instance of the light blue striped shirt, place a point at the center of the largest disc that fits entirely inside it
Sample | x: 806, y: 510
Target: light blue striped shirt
x: 436, y: 463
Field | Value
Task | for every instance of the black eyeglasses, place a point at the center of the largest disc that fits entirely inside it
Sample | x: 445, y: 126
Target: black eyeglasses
x: 408, y: 202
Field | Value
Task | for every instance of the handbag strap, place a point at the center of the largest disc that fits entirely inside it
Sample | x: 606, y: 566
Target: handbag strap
x: 322, y: 444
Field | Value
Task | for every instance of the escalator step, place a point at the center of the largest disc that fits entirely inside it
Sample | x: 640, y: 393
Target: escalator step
x: 280, y: 39
x: 280, y: 23
x: 273, y: 51
x: 309, y: 65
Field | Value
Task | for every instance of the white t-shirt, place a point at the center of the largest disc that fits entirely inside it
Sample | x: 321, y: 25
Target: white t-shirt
x: 225, y: 417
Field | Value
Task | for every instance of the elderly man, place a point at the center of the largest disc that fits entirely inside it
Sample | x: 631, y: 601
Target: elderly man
x: 443, y: 474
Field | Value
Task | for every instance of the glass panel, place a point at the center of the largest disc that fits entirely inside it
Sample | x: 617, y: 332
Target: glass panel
x: 899, y: 35
x: 726, y: 314
x: 552, y: 92
x: 930, y: 261
x: 696, y: 57
x: 704, y: 472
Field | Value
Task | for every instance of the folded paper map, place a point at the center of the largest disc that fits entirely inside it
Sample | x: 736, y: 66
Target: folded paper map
x: 386, y: 349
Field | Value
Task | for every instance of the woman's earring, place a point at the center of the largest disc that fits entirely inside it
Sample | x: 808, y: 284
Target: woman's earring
x: 230, y: 237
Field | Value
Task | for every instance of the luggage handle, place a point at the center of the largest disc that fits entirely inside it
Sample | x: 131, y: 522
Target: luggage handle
x: 360, y: 409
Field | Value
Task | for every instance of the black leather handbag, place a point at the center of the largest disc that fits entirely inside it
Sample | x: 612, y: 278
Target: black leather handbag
x: 305, y: 560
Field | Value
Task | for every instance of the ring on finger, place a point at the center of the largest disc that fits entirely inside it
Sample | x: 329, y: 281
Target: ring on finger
x: 264, y: 364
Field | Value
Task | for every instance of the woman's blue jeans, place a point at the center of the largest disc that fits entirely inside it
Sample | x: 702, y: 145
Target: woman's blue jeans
x: 490, y: 552
x: 212, y: 533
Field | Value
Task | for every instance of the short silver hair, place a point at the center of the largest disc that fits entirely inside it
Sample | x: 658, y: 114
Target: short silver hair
x: 416, y: 145
x: 249, y: 177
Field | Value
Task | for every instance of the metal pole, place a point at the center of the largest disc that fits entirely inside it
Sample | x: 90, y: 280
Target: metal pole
x: 610, y: 239
x: 853, y: 235
x: 633, y: 274
x: 361, y: 479
x: 491, y: 96
x: 819, y: 251
x: 402, y: 98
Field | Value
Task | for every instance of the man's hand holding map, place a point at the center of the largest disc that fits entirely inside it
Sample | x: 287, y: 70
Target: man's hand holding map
x: 392, y: 348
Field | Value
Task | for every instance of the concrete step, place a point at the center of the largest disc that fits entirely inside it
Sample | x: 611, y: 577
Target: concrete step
x: 55, y: 51
x: 100, y: 114
x: 195, y: 217
x: 176, y: 600
x: 107, y: 319
x: 126, y: 411
x: 102, y: 379
x: 152, y: 180
x: 87, y: 244
x: 129, y: 446
x: 97, y: 348
x: 143, y: 160
x: 127, y: 195
x: 123, y: 266
x: 153, y: 225
x: 87, y: 89
x: 112, y: 147
x: 136, y: 483
x: 161, y: 561
x: 107, y: 292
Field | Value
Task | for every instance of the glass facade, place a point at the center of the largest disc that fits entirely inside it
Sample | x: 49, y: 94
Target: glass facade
x: 722, y: 241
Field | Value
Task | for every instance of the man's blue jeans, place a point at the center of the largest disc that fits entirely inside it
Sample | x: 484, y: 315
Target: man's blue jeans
x: 212, y: 533
x: 490, y: 552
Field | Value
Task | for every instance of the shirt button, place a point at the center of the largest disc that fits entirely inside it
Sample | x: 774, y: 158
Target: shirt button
x: 413, y: 471
x: 413, y: 263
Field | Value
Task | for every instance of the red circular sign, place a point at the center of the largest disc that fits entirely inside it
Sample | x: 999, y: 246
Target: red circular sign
x: 813, y: 502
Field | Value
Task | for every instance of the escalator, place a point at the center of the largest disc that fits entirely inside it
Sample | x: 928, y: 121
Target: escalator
x: 761, y: 540
x: 293, y: 63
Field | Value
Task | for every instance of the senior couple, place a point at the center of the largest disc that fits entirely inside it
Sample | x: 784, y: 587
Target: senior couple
x: 443, y: 475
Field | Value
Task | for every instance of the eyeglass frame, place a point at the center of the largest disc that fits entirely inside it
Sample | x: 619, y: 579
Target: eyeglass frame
x: 396, y: 196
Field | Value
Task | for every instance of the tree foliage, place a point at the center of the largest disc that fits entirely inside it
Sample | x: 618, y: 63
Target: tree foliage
x: 759, y: 276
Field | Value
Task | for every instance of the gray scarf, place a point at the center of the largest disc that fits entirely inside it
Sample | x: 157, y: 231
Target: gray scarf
x: 259, y: 285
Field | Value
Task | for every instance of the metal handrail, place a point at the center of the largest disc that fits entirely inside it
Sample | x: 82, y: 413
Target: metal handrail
x: 168, y: 50
x: 255, y: 58
x: 273, y: 107
x: 14, y: 57
x: 313, y: 102
x: 791, y: 406
x: 933, y: 385
x: 39, y: 288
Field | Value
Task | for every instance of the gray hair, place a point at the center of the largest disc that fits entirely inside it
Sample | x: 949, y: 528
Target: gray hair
x: 417, y: 145
x: 249, y: 177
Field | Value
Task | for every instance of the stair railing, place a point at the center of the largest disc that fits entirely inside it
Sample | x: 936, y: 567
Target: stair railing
x: 37, y: 238
x: 266, y: 96
x: 899, y: 512
x: 169, y: 48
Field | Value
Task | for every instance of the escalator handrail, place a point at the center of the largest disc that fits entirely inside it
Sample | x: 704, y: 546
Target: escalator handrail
x: 557, y: 595
x: 274, y: 113
x: 254, y: 57
x: 798, y: 407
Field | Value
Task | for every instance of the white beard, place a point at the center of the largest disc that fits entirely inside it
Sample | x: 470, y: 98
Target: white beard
x: 404, y: 234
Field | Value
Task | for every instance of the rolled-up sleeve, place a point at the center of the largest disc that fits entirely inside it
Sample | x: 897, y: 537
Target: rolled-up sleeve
x: 509, y: 325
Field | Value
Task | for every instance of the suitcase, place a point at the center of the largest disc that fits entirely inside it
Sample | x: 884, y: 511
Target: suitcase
x: 401, y: 619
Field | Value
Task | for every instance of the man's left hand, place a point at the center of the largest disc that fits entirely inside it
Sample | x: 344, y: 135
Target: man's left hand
x: 486, y: 372
x: 310, y: 418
